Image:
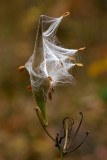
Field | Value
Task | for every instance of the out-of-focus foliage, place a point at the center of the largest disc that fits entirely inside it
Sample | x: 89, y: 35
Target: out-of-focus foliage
x: 98, y: 67
x: 21, y: 136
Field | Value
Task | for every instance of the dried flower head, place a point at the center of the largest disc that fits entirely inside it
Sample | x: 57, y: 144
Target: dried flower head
x: 50, y: 63
x: 64, y: 143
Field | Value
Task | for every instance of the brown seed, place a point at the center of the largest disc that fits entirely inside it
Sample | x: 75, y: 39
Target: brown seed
x: 61, y: 63
x: 66, y: 14
x: 81, y: 49
x: 71, y: 58
x: 28, y: 87
x: 50, y: 78
x: 21, y: 68
x: 79, y: 64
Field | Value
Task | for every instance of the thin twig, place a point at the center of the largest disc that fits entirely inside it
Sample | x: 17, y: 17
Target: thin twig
x: 87, y: 133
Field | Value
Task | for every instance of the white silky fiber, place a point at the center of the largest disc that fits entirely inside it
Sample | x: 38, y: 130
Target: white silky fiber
x: 50, y: 63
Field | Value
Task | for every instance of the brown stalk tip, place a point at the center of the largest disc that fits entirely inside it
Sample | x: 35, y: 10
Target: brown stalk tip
x: 66, y: 14
x: 71, y: 58
x: 21, y: 68
x: 79, y: 64
x: 50, y: 78
x: 28, y: 87
x: 81, y: 49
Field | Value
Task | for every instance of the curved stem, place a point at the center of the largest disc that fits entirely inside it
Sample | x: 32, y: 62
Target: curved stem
x: 76, y: 130
x: 66, y: 135
x: 58, y: 145
x: 87, y: 133
x: 42, y: 123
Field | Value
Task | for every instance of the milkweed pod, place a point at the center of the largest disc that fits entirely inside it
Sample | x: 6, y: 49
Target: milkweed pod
x: 49, y: 64
x: 41, y: 103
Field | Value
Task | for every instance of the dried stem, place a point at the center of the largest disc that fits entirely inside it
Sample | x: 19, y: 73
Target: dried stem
x: 76, y: 130
x: 66, y: 134
x: 63, y: 150
x: 44, y: 127
x: 87, y: 133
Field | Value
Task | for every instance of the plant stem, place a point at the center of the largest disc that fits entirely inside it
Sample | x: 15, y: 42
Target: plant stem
x: 42, y: 123
x: 44, y: 127
x: 66, y: 134
x: 62, y: 156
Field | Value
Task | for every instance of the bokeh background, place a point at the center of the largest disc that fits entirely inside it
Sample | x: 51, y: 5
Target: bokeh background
x: 21, y: 136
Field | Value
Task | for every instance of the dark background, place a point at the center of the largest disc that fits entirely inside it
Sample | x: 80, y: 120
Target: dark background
x: 21, y: 136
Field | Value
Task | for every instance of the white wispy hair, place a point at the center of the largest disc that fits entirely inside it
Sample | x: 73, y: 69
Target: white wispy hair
x: 50, y: 63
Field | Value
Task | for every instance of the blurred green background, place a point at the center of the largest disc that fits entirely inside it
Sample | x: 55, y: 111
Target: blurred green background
x: 21, y: 136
